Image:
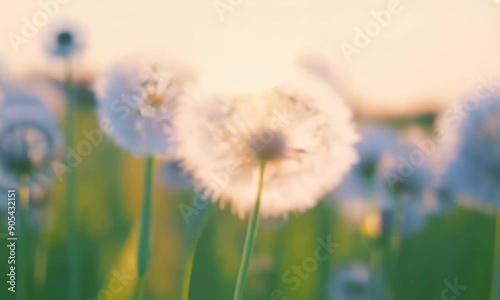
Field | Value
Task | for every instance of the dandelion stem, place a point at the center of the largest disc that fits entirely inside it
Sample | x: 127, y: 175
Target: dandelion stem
x: 391, y: 248
x: 250, y: 239
x: 189, y: 270
x: 143, y: 252
x: 495, y: 283
x: 72, y: 234
x: 192, y: 246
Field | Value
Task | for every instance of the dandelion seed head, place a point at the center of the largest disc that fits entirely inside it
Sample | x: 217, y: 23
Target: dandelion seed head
x: 474, y: 173
x: 29, y: 138
x: 298, y: 126
x: 64, y: 39
x: 137, y: 101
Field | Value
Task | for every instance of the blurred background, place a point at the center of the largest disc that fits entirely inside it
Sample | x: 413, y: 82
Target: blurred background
x: 423, y: 59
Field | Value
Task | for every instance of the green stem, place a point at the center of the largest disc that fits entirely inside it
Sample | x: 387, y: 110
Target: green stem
x: 189, y: 270
x: 192, y: 246
x: 325, y: 228
x: 391, y: 248
x: 140, y: 289
x: 72, y: 234
x: 250, y: 239
x: 143, y: 253
x: 495, y: 283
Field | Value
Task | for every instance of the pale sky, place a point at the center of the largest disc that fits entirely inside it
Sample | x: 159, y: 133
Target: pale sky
x: 429, y: 50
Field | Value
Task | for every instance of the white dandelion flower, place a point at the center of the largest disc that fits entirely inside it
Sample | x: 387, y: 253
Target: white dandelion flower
x: 136, y: 103
x: 474, y: 175
x: 300, y: 127
x: 64, y: 39
x: 353, y: 282
x: 29, y: 142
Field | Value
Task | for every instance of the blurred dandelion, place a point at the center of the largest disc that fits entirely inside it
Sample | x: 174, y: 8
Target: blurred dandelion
x: 30, y: 139
x: 136, y: 104
x: 64, y: 39
x: 298, y: 128
x: 475, y: 172
x: 135, y: 109
x: 274, y: 142
x: 29, y: 142
x: 474, y: 175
